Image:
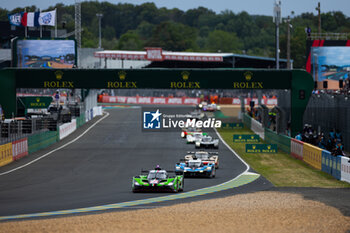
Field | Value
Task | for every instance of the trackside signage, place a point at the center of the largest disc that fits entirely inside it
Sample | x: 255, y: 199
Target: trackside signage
x: 261, y: 148
x: 232, y: 125
x: 174, y: 118
x: 246, y: 138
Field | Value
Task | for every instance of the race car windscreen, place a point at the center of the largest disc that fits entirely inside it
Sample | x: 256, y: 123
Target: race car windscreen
x: 194, y: 163
x: 156, y: 175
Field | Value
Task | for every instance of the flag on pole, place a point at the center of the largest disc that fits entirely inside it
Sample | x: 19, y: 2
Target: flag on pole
x: 15, y: 19
x: 47, y: 18
x: 30, y: 19
x: 24, y: 19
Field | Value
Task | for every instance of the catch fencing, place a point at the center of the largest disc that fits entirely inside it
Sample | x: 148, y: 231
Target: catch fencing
x: 327, y: 112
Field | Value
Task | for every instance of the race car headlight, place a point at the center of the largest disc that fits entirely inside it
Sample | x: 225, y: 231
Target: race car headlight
x: 171, y: 183
x: 208, y: 168
x: 200, y: 105
x: 178, y: 167
x: 182, y: 134
x: 136, y: 183
x: 198, y: 143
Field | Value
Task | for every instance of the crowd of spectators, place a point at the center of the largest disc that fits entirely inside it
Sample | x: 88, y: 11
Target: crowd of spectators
x: 333, y: 143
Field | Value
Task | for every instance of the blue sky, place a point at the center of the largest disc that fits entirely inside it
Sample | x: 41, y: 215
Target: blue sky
x: 333, y: 55
x: 260, y: 7
x: 44, y: 47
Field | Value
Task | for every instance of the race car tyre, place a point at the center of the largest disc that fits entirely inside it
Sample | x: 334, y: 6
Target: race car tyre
x: 177, y: 188
x: 212, y: 175
x: 182, y: 186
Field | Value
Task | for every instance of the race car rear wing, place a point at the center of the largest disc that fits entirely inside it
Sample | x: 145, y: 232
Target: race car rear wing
x: 211, y: 153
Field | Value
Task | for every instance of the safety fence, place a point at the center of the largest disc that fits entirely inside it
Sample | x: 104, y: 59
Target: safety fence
x: 19, y: 148
x: 178, y: 100
x: 237, y: 101
x: 149, y: 100
x: 337, y: 166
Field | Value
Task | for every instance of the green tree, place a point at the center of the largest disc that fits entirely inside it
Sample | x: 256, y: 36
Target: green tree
x: 223, y: 41
x: 174, y: 37
x: 130, y: 41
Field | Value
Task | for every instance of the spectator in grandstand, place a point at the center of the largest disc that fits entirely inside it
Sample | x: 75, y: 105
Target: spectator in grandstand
x: 299, y: 136
x: 338, y: 136
x: 322, y: 142
x: 338, y: 150
x: 332, y: 134
x: 331, y: 143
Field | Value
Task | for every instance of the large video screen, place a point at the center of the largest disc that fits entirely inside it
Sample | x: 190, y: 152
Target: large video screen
x: 45, y: 53
x: 330, y: 63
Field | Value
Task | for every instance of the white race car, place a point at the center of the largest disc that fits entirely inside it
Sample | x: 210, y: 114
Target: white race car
x: 195, y: 137
x: 211, y: 107
x: 198, y: 115
x: 205, y: 156
x: 207, y: 141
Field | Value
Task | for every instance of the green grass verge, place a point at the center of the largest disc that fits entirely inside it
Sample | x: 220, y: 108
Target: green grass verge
x: 281, y: 169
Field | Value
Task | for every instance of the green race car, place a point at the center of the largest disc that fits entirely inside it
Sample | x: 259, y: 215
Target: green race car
x: 157, y: 180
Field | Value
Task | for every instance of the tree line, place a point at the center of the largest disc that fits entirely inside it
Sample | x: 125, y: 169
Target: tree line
x: 133, y: 27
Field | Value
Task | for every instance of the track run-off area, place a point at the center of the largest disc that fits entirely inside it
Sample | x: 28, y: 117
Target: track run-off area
x: 93, y: 169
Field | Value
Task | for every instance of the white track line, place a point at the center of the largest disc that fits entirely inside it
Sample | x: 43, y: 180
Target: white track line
x: 48, y: 153
x: 234, y: 152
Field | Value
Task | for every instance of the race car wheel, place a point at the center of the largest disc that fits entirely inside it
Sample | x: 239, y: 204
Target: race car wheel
x: 182, y: 186
x: 176, y: 189
x: 212, y: 175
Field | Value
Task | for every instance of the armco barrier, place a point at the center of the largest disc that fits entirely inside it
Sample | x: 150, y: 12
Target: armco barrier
x: 312, y: 155
x: 345, y: 169
x: 282, y: 141
x: 5, y: 154
x: 296, y: 148
x: 67, y: 129
x: 42, y: 140
x: 247, y: 121
x: 19, y: 148
x: 257, y: 128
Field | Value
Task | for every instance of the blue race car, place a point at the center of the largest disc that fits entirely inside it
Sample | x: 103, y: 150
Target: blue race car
x: 196, y: 167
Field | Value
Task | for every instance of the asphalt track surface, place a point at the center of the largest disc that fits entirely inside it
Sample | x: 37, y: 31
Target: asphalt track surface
x: 97, y: 169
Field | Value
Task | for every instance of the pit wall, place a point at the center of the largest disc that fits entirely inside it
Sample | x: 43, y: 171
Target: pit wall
x: 25, y: 146
x: 337, y: 166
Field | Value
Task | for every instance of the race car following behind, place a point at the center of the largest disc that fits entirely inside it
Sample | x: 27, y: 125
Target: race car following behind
x: 211, y: 107
x: 158, y: 180
x: 196, y: 168
x: 197, y: 114
x: 207, y: 142
x: 197, y: 136
x: 205, y: 156
x: 190, y: 131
